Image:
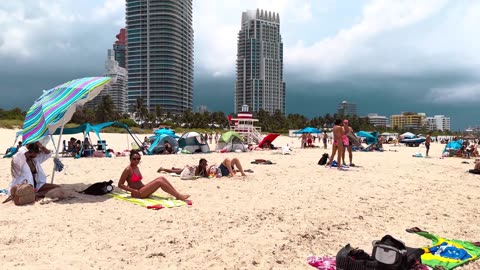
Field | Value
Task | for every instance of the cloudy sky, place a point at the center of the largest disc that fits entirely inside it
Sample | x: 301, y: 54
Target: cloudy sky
x: 387, y: 56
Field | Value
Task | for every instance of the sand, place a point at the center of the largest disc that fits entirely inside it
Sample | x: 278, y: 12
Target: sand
x: 272, y: 219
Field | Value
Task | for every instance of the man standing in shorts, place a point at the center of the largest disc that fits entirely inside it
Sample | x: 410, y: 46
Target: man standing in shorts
x: 428, y: 140
x: 348, y: 129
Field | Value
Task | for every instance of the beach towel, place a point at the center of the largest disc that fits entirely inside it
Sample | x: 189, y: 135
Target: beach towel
x: 155, y: 201
x: 447, y: 253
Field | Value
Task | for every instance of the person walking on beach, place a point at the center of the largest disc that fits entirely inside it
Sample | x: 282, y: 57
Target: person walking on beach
x: 324, y: 139
x: 348, y: 130
x: 132, y: 175
x: 428, y: 140
x: 337, y: 146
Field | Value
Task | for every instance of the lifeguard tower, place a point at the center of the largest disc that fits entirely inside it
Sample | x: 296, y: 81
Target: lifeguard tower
x: 244, y: 125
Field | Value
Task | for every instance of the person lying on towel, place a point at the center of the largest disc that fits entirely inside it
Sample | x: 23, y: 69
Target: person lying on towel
x: 227, y: 168
x: 132, y: 175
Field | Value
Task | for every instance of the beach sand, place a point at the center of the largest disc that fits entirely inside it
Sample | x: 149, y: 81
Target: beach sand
x: 272, y: 219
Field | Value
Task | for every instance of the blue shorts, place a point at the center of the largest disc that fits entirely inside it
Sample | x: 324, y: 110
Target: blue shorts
x: 224, y: 170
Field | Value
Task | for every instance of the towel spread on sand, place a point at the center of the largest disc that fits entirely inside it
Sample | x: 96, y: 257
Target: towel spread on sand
x: 153, y: 200
x: 448, y: 253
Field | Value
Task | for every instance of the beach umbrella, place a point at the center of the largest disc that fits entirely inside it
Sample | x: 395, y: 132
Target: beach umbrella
x: 308, y: 130
x: 55, y: 107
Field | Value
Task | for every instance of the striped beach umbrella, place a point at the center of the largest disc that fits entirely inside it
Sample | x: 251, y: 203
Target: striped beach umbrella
x: 56, y: 106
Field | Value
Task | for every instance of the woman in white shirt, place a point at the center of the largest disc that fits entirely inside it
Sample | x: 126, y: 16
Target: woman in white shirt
x: 26, y: 168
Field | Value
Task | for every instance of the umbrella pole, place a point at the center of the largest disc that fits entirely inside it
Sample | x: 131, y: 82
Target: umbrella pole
x: 56, y: 151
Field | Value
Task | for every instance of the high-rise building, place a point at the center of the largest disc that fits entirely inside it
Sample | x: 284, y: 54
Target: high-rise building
x: 117, y: 89
x: 408, y: 120
x: 120, y: 48
x: 160, y: 54
x: 438, y: 122
x: 260, y: 82
x: 347, y: 108
x: 377, y: 120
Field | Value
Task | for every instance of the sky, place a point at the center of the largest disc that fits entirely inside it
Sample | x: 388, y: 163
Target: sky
x: 387, y: 56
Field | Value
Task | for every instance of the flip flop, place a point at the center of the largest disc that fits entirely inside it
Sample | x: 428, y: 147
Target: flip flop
x: 189, y: 202
x: 414, y: 230
x: 155, y: 207
x: 248, y: 170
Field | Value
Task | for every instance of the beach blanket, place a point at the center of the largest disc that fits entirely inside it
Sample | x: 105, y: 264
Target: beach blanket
x: 447, y: 253
x: 155, y: 201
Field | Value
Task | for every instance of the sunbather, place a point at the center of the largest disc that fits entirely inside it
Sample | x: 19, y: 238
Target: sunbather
x: 133, y: 177
x: 200, y: 170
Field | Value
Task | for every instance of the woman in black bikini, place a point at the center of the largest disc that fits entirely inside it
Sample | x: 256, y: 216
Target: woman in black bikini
x: 133, y: 177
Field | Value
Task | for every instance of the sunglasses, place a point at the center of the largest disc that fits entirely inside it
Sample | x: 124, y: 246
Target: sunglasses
x: 136, y: 158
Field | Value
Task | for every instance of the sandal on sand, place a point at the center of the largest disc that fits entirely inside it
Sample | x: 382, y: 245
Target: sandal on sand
x: 248, y: 170
x: 414, y: 230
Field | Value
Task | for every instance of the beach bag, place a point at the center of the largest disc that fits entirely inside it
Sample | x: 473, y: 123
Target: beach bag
x: 323, y: 160
x: 388, y: 254
x: 392, y: 254
x: 188, y: 173
x: 22, y: 194
x: 100, y: 188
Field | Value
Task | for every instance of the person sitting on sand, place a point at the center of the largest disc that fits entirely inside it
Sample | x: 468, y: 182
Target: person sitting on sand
x: 132, y: 175
x: 26, y: 168
x: 167, y: 148
x: 477, y: 165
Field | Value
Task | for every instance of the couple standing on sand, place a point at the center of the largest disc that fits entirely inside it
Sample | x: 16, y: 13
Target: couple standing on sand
x: 340, y: 142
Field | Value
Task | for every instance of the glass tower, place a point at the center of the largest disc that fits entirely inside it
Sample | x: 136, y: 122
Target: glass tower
x: 160, y: 54
x: 260, y: 82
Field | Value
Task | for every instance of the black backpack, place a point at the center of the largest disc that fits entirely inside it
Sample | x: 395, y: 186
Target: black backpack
x: 100, y: 188
x: 388, y: 254
x: 323, y: 160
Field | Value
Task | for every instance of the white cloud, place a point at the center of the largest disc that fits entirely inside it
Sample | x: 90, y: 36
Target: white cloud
x: 353, y: 49
x: 469, y: 93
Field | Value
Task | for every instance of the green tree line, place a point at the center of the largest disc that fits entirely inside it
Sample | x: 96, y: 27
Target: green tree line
x: 269, y: 122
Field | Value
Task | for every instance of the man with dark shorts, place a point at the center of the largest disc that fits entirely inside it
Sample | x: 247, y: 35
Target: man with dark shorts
x: 428, y: 140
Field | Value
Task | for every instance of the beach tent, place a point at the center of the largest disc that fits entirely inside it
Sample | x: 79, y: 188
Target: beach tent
x: 231, y: 141
x: 193, y: 142
x: 453, y: 145
x: 268, y: 139
x: 157, y: 145
x: 13, y: 150
x: 308, y: 130
x: 165, y: 131
x: 370, y: 137
x: 87, y: 128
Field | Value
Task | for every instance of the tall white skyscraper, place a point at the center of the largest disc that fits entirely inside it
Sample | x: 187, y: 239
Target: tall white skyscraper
x: 160, y: 54
x: 117, y: 89
x: 260, y: 82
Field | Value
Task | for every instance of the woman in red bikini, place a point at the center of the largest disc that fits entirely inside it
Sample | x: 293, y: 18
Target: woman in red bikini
x: 133, y: 177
